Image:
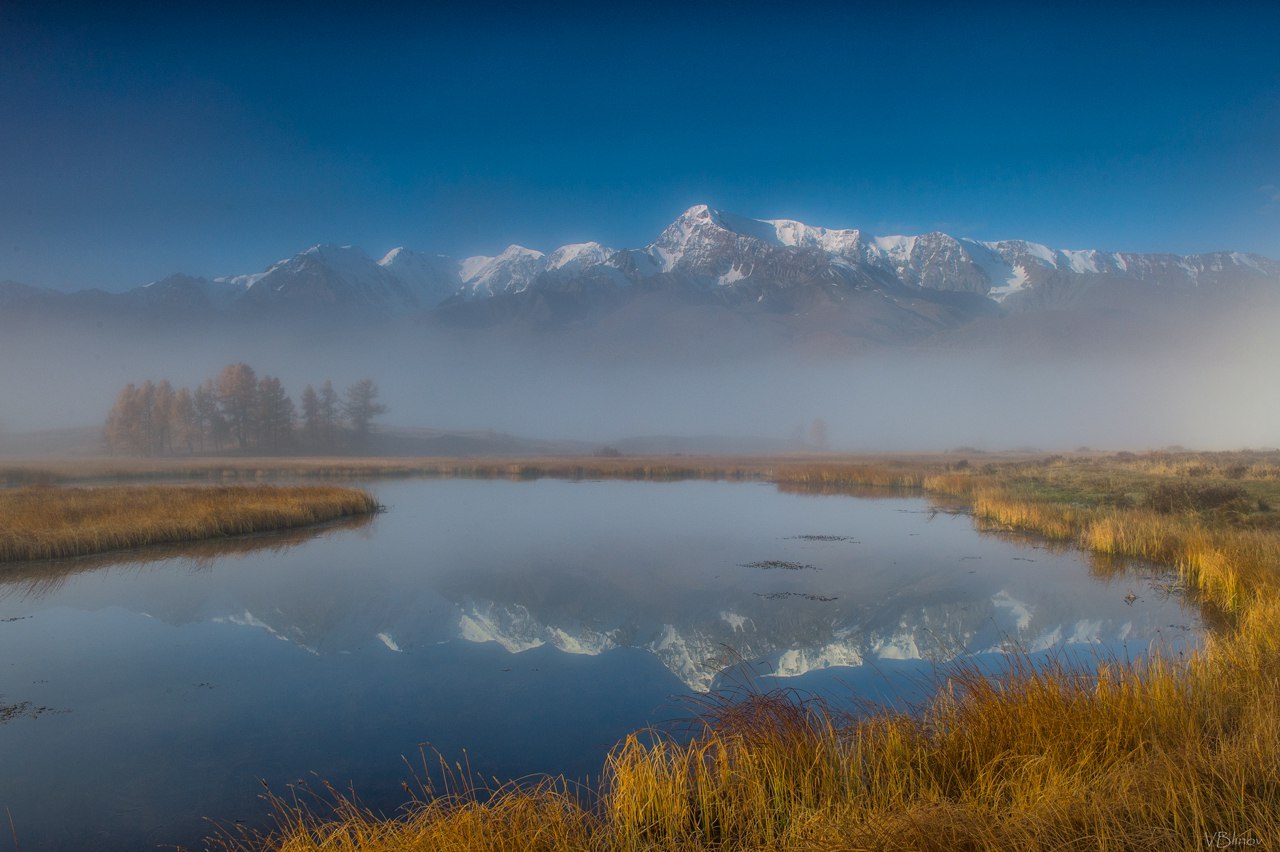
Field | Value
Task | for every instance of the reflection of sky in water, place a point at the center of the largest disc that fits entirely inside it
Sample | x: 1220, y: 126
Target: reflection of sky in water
x: 531, y: 623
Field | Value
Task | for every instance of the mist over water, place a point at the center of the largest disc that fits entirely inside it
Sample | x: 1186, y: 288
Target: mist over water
x: 1211, y: 389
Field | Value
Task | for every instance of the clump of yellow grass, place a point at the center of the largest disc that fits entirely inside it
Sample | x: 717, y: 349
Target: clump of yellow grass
x: 1230, y: 567
x: 50, y: 522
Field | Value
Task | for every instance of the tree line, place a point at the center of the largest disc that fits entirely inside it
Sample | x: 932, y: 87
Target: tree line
x: 238, y: 410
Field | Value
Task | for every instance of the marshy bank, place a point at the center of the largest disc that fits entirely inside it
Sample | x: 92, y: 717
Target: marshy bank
x: 56, y: 522
x: 1165, y: 752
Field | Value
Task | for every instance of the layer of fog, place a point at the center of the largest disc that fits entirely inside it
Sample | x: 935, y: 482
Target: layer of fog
x: 1219, y: 392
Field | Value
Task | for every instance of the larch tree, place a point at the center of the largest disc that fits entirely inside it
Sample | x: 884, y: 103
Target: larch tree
x: 237, y: 409
x: 210, y: 425
x: 124, y: 423
x: 162, y: 418
x: 237, y: 392
x: 146, y: 412
x: 183, y: 423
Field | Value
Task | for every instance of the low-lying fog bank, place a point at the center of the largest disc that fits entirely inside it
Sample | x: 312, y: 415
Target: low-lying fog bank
x: 1213, y: 389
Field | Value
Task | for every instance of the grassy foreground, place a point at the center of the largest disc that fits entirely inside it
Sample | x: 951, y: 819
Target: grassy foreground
x: 1164, y: 754
x: 49, y: 523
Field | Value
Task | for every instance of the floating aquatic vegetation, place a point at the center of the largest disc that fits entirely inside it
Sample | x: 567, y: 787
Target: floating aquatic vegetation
x: 779, y: 564
x: 778, y: 596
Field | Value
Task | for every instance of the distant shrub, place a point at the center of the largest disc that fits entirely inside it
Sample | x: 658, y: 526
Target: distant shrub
x: 608, y: 453
x: 1173, y: 497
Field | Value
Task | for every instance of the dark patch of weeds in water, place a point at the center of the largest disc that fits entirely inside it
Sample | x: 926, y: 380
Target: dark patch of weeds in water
x: 777, y: 596
x: 770, y: 564
x: 823, y: 538
x: 24, y: 709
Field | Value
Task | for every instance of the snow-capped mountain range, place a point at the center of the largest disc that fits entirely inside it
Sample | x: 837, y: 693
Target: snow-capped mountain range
x: 704, y: 251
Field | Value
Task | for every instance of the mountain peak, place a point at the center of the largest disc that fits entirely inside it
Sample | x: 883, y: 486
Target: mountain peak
x: 703, y: 233
x: 578, y: 254
x: 514, y: 251
x: 698, y: 211
x: 327, y: 250
x: 512, y: 271
x: 392, y: 256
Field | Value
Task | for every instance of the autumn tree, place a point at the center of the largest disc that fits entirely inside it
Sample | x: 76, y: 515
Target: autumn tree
x: 144, y: 408
x: 161, y: 437
x: 210, y: 425
x: 124, y: 423
x: 236, y: 408
x: 183, y: 424
x: 237, y: 394
x: 361, y: 406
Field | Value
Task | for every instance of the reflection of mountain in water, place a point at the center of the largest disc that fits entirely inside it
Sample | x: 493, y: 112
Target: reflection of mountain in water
x: 789, y: 637
x: 804, y: 638
x: 669, y: 569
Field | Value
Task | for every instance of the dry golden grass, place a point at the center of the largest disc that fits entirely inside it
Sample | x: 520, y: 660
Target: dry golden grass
x: 41, y: 577
x: 54, y: 522
x: 538, y: 817
x: 907, y: 471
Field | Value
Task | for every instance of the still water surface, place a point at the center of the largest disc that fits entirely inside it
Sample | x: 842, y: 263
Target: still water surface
x: 532, y: 624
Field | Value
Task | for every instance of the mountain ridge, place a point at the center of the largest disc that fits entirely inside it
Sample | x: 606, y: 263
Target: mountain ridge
x: 749, y: 265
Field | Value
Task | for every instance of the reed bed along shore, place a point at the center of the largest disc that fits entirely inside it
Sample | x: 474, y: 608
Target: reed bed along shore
x: 816, y: 470
x: 1156, y: 754
x: 55, y: 522
x: 44, y: 576
x: 951, y: 472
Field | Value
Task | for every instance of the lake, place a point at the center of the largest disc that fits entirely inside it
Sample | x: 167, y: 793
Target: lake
x: 523, y: 626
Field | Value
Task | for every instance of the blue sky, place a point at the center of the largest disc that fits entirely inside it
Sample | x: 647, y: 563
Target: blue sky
x: 144, y: 142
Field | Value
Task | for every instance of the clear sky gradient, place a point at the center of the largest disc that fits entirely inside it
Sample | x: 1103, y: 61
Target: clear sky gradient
x: 139, y: 143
